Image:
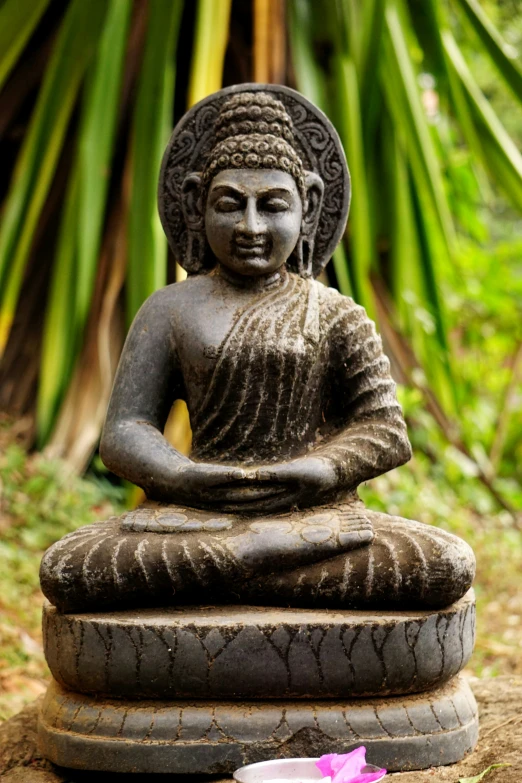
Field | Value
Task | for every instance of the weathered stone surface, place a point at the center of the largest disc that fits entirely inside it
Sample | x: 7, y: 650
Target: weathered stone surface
x: 500, y: 705
x: 409, y: 732
x: 292, y: 406
x: 315, y: 141
x: 287, y: 560
x: 289, y: 393
x: 254, y: 652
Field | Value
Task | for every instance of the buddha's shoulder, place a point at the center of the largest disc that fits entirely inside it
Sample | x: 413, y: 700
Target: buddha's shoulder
x: 332, y: 301
x: 193, y: 290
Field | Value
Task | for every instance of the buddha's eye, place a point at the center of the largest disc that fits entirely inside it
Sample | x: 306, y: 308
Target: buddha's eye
x: 275, y: 204
x: 227, y: 204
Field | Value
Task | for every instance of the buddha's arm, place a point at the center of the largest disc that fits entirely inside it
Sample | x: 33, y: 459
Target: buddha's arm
x: 372, y: 438
x: 147, y: 382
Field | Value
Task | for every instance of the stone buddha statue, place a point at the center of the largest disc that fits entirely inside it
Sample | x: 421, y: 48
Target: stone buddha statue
x: 212, y: 626
x: 289, y: 393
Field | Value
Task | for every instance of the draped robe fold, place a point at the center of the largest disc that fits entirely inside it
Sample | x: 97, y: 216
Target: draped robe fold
x: 267, y: 390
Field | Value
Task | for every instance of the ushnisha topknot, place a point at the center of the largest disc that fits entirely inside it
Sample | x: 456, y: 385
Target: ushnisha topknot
x: 254, y: 131
x: 254, y: 112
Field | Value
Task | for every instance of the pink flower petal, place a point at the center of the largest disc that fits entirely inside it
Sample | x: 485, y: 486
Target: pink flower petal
x: 344, y: 767
x: 349, y: 765
x: 324, y: 764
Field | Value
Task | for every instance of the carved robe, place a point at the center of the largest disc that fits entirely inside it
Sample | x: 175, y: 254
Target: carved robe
x: 299, y: 364
x: 301, y: 367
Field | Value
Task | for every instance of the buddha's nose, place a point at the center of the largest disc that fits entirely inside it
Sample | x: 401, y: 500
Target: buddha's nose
x: 251, y: 223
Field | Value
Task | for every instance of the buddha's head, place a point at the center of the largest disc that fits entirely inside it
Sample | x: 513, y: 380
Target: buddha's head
x: 253, y: 206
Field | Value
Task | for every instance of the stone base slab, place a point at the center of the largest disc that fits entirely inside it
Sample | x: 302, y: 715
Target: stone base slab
x: 247, y: 652
x: 401, y: 733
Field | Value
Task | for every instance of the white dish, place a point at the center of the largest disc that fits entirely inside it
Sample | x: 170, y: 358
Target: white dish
x: 301, y: 770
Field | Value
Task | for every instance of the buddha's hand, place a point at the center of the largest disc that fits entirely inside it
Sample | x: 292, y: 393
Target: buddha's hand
x: 201, y: 483
x: 305, y: 482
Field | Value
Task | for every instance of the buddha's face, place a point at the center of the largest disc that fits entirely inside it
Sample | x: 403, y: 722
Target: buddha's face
x: 253, y: 219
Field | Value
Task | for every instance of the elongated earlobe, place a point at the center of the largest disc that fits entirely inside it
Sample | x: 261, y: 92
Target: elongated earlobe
x: 304, y: 250
x: 314, y: 201
x: 304, y: 254
x: 191, y: 202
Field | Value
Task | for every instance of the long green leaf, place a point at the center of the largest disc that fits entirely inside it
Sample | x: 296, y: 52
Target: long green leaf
x: 413, y: 259
x: 432, y: 219
x: 501, y: 53
x: 500, y: 155
x: 152, y: 122
x: 400, y: 86
x: 450, y: 87
x: 404, y: 244
x: 210, y: 43
x: 347, y: 116
x: 96, y: 139
x: 42, y: 145
x: 373, y: 33
x: 18, y: 19
x: 342, y: 270
x: 312, y: 83
x: 482, y: 129
x: 350, y: 128
x: 429, y: 259
x: 309, y: 77
x: 80, y: 238
x: 58, y: 339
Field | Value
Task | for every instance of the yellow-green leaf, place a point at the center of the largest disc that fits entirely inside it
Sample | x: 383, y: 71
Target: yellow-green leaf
x: 210, y: 43
x: 503, y: 54
x: 18, y: 19
x: 477, y: 778
x: 152, y: 122
x: 76, y: 258
x: 42, y: 145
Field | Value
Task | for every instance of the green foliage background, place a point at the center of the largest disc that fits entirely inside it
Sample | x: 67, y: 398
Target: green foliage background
x: 426, y: 95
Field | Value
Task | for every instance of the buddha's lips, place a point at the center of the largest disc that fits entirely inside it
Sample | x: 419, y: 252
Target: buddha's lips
x: 251, y: 247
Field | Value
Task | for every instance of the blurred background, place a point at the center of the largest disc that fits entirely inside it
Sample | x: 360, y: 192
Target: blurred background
x: 427, y: 98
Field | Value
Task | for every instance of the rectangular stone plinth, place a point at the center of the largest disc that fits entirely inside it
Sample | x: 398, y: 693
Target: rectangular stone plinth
x: 400, y: 733
x: 247, y: 652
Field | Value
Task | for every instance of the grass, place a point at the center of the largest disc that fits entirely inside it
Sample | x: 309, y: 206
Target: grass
x: 40, y: 502
x: 445, y: 492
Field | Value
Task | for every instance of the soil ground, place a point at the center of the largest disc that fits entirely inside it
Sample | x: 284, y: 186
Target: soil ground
x: 500, y: 705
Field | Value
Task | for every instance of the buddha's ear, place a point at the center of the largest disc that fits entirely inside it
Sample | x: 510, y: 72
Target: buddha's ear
x: 303, y: 254
x: 191, y: 192
x: 314, y: 187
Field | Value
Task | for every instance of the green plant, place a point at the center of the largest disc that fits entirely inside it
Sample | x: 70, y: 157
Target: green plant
x: 39, y: 502
x: 420, y: 136
x: 425, y: 146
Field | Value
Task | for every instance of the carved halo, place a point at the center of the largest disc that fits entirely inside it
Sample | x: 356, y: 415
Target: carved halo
x: 316, y: 141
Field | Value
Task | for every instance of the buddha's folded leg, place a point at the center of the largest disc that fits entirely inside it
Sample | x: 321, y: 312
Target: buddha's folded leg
x: 102, y: 566
x: 408, y: 565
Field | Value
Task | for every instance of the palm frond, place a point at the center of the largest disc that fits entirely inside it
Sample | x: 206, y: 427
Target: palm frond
x: 210, y: 43
x: 42, y: 146
x: 80, y: 237
x: 151, y: 126
x: 18, y: 19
